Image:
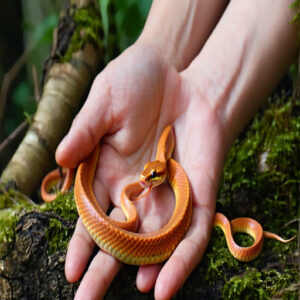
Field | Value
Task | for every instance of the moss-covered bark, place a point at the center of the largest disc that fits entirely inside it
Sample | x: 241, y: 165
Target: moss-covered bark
x: 261, y: 179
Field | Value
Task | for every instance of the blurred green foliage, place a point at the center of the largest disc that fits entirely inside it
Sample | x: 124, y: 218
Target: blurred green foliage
x: 295, y: 5
x: 129, y: 18
x: 43, y: 33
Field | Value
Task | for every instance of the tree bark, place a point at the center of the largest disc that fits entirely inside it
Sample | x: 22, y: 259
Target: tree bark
x: 29, y: 271
x: 64, y: 89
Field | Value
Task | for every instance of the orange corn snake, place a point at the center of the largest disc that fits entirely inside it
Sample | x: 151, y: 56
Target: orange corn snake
x: 120, y: 239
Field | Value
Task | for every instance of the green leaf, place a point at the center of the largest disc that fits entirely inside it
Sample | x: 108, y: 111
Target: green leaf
x: 103, y: 4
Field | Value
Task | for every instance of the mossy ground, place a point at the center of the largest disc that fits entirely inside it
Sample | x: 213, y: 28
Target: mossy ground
x: 261, y: 180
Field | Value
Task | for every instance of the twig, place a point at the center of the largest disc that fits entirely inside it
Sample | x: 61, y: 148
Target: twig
x: 55, y: 42
x: 292, y: 221
x: 13, y: 135
x: 8, y: 79
x: 36, y: 84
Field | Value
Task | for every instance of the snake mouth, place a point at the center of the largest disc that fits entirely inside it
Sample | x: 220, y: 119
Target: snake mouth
x: 144, y: 184
x: 149, y: 187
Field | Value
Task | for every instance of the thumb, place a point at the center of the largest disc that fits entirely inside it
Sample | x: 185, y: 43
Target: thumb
x: 92, y: 122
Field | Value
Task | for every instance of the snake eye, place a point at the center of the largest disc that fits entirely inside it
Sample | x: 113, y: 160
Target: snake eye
x: 153, y: 174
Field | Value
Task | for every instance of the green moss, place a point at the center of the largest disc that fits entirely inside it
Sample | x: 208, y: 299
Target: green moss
x: 13, y: 204
x: 88, y: 29
x: 58, y: 235
x: 261, y: 176
x: 64, y: 206
x: 245, y: 286
x: 253, y: 284
x: 8, y: 219
x: 218, y: 259
x: 264, y: 163
x: 60, y: 231
x: 261, y: 179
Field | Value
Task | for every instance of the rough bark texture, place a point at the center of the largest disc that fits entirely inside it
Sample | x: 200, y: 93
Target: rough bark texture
x: 29, y: 271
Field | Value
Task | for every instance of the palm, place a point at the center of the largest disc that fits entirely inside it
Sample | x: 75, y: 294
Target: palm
x: 161, y: 98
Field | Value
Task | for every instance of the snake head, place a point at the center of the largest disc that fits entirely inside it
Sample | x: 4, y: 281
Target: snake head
x: 154, y: 174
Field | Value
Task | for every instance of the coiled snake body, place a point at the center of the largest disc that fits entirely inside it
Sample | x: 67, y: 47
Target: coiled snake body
x: 119, y: 237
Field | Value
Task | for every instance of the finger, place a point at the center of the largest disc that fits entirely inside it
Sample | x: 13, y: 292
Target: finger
x: 101, y: 271
x: 147, y: 276
x: 98, y: 277
x: 80, y: 249
x: 186, y: 256
x: 92, y: 122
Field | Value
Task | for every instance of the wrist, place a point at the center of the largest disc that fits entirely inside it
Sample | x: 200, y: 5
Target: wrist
x: 177, y: 29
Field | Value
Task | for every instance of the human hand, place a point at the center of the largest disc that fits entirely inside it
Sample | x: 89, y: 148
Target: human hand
x: 129, y: 125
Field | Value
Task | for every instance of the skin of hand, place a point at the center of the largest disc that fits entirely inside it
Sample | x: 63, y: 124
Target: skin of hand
x: 129, y: 105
